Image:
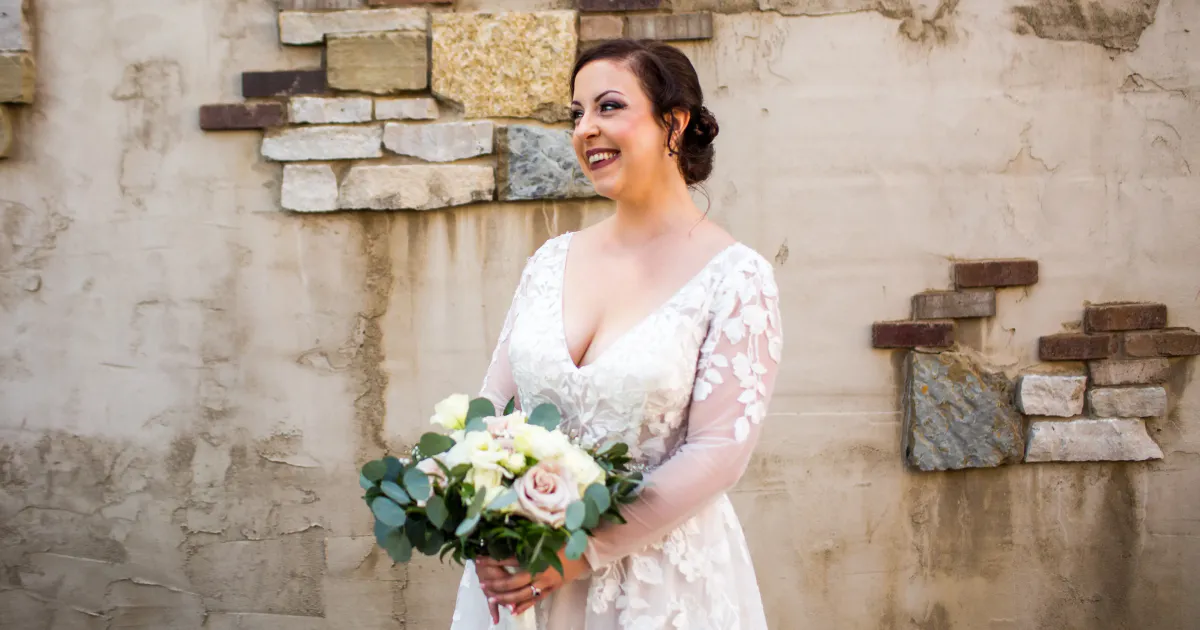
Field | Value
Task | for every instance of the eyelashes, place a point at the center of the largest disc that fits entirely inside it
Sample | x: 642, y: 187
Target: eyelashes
x: 606, y: 106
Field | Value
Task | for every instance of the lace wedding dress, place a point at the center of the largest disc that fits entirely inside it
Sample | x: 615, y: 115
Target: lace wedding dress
x: 687, y: 388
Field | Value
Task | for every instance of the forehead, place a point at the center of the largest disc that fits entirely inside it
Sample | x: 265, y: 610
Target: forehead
x: 599, y: 76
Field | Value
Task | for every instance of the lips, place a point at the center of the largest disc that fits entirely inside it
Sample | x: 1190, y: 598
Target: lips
x: 599, y: 158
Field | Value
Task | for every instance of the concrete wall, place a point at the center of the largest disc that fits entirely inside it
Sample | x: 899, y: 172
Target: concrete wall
x: 189, y: 376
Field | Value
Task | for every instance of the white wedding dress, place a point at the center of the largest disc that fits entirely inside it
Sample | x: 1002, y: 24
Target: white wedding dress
x: 687, y: 388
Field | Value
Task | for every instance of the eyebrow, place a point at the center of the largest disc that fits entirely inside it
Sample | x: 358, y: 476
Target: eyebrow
x: 600, y: 96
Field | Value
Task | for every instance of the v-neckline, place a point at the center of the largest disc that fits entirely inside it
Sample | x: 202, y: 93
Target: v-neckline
x: 565, y: 343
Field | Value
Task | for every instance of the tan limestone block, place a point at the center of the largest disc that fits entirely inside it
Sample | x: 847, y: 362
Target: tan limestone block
x: 18, y: 74
x: 505, y: 64
x: 6, y: 131
x: 378, y: 63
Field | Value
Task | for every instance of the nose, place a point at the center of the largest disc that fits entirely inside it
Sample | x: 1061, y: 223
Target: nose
x: 585, y: 127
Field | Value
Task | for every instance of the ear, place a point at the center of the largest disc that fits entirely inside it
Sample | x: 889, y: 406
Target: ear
x: 681, y: 118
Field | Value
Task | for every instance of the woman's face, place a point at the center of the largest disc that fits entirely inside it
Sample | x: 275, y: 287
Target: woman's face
x: 620, y: 144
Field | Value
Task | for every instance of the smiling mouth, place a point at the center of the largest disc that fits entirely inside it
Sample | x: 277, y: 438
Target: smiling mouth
x: 599, y: 159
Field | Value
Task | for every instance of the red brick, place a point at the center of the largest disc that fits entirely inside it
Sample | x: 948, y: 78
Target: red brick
x: 995, y: 273
x: 1124, y: 316
x: 1076, y: 347
x: 405, y: 3
x: 1172, y: 342
x: 618, y: 5
x: 222, y: 117
x: 909, y: 334
x: 282, y: 83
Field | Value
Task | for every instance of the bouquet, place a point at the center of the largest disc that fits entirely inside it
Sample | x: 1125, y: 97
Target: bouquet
x: 505, y: 485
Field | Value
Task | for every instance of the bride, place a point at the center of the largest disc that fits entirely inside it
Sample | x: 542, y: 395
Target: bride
x: 654, y: 327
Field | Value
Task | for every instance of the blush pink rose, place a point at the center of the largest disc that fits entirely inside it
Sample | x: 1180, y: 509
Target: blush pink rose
x: 544, y: 492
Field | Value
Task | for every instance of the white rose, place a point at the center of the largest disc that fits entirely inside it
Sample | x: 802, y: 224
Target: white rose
x: 451, y: 413
x: 544, y: 493
x: 506, y: 426
x: 487, y: 480
x: 583, y: 468
x: 538, y: 443
x: 515, y: 463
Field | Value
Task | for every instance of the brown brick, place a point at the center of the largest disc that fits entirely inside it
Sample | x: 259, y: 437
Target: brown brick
x: 908, y: 334
x: 224, y: 117
x: 995, y: 273
x: 674, y: 27
x: 1124, y: 316
x: 1172, y: 342
x: 319, y: 5
x: 6, y: 131
x: 1130, y: 372
x: 1076, y: 347
x: 618, y: 5
x: 594, y: 28
x: 18, y: 76
x: 954, y: 304
x: 379, y: 63
x: 405, y: 3
x: 282, y: 83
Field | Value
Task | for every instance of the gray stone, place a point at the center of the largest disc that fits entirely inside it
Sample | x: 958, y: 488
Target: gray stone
x: 1128, y: 402
x: 954, y: 304
x: 958, y: 415
x: 309, y: 188
x: 440, y: 142
x: 1047, y: 395
x: 333, y: 142
x: 406, y: 109
x: 15, y: 32
x: 415, y: 186
x: 1090, y: 440
x: 539, y: 163
x: 1129, y: 372
x: 325, y: 110
x: 299, y: 28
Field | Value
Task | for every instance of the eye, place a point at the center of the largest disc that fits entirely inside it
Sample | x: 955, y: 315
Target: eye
x: 608, y: 106
x: 576, y: 114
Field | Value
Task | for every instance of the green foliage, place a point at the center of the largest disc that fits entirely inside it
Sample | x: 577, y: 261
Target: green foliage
x: 545, y: 416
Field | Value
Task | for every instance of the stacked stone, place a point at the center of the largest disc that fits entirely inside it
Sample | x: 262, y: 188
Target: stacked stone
x: 1127, y: 348
x: 18, y: 72
x: 365, y: 132
x: 957, y: 413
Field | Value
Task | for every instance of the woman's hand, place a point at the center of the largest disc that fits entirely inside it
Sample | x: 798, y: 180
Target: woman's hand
x: 514, y: 590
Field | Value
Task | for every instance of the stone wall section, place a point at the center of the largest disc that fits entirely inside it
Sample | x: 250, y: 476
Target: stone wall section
x: 405, y: 85
x: 1090, y: 400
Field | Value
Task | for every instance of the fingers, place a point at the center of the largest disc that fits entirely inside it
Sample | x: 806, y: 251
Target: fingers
x: 494, y: 609
x: 524, y: 594
x: 509, y: 583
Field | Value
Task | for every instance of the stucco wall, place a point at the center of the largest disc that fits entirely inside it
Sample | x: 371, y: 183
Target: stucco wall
x: 189, y: 377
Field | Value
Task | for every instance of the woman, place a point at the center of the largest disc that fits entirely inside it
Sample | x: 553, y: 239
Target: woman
x: 654, y: 327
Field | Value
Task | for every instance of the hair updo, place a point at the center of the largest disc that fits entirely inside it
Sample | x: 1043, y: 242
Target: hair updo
x: 669, y: 80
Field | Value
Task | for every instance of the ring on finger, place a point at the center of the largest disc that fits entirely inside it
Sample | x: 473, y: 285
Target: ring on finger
x: 537, y: 592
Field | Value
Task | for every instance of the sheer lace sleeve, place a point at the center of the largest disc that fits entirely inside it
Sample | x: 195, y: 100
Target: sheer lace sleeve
x: 735, y: 376
x: 498, y: 384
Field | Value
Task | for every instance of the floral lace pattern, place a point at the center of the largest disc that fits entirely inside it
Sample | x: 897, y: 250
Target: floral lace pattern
x: 687, y: 388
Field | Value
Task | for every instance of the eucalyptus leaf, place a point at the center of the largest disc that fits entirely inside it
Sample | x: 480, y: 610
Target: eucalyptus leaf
x: 436, y: 510
x: 577, y: 545
x: 364, y: 483
x: 434, y: 444
x: 503, y: 501
x: 592, y: 518
x: 381, y: 532
x: 394, y: 468
x: 467, y: 526
x: 417, y: 484
x: 395, y: 492
x: 388, y: 512
x: 459, y: 471
x: 475, y: 424
x: 398, y: 546
x: 614, y: 449
x: 374, y: 470
x: 481, y: 408
x: 598, y: 494
x: 575, y: 514
x: 546, y: 416
x: 511, y: 406
x: 552, y: 559
x: 477, y: 505
x: 433, y: 543
x: 415, y: 530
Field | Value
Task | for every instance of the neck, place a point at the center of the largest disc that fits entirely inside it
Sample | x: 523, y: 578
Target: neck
x: 665, y: 207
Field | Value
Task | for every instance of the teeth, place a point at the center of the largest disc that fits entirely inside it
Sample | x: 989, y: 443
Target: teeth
x: 600, y: 156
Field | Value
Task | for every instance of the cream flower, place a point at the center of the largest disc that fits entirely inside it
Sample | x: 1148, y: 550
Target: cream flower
x: 451, y: 413
x: 544, y: 493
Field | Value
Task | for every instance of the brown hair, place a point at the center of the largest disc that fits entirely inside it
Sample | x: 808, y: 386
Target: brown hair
x: 669, y: 80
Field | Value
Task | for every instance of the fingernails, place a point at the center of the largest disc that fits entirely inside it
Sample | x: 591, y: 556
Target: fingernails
x: 491, y: 600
